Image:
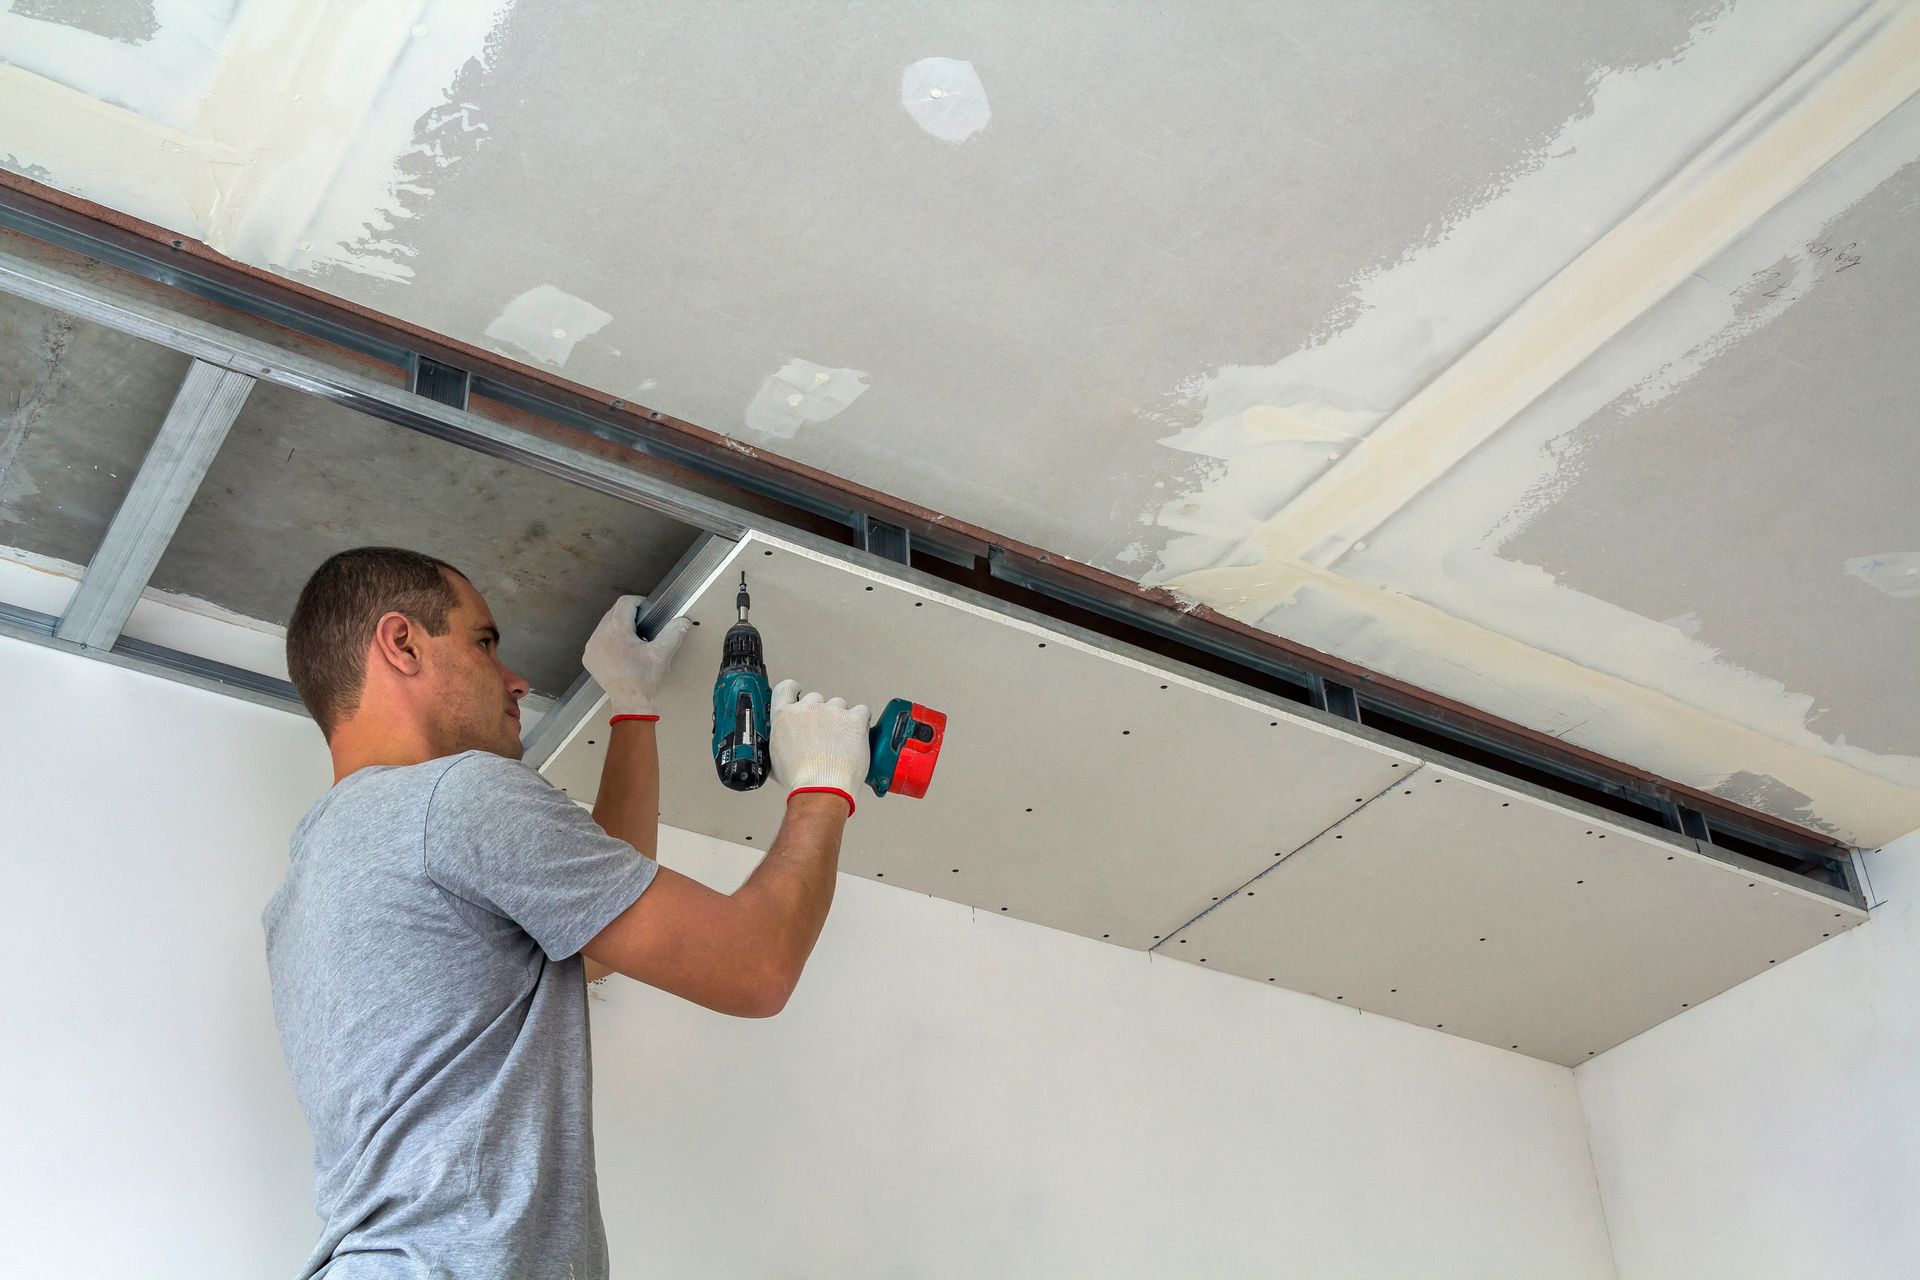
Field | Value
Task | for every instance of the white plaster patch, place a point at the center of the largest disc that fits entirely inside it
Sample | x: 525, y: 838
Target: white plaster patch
x: 545, y: 323
x: 1895, y: 572
x: 802, y: 392
x: 945, y: 97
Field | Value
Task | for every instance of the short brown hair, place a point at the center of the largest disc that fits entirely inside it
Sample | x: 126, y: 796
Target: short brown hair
x: 333, y: 622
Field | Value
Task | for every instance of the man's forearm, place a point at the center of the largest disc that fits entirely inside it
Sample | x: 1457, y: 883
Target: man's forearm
x: 627, y: 806
x: 793, y: 885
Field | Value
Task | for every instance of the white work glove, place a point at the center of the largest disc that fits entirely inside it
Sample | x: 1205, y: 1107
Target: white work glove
x: 818, y: 744
x: 630, y: 669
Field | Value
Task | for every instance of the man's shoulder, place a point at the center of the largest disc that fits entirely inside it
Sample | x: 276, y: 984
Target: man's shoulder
x: 478, y: 780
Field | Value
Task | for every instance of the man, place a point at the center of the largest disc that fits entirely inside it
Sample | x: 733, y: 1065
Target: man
x: 445, y: 907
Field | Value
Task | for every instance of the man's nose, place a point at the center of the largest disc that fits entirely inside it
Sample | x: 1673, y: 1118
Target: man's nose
x: 517, y: 686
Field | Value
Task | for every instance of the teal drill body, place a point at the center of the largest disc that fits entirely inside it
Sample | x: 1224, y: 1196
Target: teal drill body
x: 742, y: 704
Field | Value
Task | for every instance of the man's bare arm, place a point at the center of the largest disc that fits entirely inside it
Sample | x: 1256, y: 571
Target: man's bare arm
x: 631, y: 671
x: 740, y: 953
x: 627, y: 806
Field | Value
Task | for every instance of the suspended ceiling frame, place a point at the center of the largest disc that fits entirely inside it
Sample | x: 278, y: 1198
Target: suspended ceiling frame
x: 436, y: 407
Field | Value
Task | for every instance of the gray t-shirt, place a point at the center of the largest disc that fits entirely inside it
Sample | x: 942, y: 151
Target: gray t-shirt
x: 432, y: 1005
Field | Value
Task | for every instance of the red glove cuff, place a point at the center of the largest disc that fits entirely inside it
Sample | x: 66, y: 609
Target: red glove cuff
x: 618, y: 719
x: 832, y: 791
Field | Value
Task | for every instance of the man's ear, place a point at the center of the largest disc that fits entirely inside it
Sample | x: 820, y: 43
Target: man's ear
x: 397, y: 644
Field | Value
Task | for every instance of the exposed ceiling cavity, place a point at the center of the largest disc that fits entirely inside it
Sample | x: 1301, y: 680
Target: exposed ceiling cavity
x: 1554, y: 358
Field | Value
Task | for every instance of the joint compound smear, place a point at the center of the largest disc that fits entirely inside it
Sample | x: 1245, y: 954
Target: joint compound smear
x: 1341, y: 519
x: 281, y: 135
x: 945, y: 97
x: 802, y: 392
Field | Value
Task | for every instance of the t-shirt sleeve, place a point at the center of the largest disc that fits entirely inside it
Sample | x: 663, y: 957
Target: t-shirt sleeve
x: 506, y: 840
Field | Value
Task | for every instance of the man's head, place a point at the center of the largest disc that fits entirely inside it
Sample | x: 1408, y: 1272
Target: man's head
x: 399, y: 647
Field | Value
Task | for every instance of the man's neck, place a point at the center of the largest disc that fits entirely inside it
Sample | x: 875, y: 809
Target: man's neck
x: 363, y: 746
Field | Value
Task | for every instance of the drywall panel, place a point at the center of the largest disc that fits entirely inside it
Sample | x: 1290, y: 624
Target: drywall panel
x: 945, y: 1096
x: 1077, y: 788
x: 1775, y: 1133
x: 1459, y: 903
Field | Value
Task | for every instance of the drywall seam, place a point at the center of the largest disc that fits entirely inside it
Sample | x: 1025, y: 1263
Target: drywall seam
x: 1270, y: 429
x: 286, y: 146
x: 1169, y: 935
x: 1859, y: 78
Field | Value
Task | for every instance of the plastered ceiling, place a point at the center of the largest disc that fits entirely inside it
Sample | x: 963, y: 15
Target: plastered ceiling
x: 1558, y: 358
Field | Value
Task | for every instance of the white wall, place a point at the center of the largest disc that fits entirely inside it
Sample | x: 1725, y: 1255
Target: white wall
x: 1773, y: 1133
x: 946, y: 1095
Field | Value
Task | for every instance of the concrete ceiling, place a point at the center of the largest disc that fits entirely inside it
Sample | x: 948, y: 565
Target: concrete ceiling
x: 1556, y: 358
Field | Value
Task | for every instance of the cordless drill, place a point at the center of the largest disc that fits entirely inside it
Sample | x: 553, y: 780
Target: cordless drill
x: 903, y: 744
x: 742, y: 704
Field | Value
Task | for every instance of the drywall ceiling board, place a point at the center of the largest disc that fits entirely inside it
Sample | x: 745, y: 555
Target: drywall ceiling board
x: 943, y: 302
x: 1079, y: 787
x: 1497, y: 913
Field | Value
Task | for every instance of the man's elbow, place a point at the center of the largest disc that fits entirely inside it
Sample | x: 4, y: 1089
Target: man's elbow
x: 767, y: 995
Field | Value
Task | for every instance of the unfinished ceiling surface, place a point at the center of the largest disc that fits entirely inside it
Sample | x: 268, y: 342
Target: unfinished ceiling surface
x: 1150, y: 808
x: 1554, y: 358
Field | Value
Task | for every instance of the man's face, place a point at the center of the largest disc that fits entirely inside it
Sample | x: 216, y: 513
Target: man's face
x: 476, y: 697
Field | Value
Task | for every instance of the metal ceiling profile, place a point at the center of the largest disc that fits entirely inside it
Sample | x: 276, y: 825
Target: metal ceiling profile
x: 909, y: 544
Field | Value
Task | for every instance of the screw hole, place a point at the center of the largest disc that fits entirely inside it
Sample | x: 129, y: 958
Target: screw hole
x: 1125, y: 732
x: 956, y: 871
x: 869, y: 588
x: 766, y: 553
x: 879, y: 875
x: 590, y: 742
x: 1003, y: 908
x: 1579, y: 881
x: 1043, y: 644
